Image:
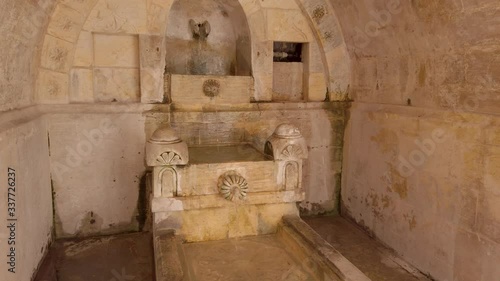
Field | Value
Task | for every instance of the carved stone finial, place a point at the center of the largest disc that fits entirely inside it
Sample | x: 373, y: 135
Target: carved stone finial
x: 286, y: 143
x: 233, y: 186
x: 165, y: 148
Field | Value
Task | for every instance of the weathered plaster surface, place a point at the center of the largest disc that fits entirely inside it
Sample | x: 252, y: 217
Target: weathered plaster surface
x: 97, y: 165
x: 24, y: 147
x: 421, y: 68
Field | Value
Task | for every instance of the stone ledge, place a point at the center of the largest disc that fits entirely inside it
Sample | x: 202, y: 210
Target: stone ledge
x: 216, y: 201
x: 334, y: 259
x: 167, y: 259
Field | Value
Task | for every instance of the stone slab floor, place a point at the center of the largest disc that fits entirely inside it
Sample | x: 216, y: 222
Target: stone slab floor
x: 248, y: 259
x: 130, y: 257
x: 126, y: 257
x: 373, y: 259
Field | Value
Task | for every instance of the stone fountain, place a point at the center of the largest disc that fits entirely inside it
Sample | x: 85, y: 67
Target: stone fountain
x: 217, y: 209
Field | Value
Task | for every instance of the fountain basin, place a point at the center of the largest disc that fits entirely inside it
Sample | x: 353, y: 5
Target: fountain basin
x: 189, y: 198
x: 295, y: 252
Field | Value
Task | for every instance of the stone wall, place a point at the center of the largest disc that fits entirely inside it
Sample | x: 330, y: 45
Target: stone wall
x: 97, y: 166
x: 421, y: 156
x: 114, y: 51
x: 24, y: 149
x: 23, y: 138
x: 97, y: 156
x: 22, y: 25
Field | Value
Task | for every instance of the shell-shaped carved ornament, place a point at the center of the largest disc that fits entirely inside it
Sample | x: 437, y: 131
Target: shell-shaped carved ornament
x: 233, y: 186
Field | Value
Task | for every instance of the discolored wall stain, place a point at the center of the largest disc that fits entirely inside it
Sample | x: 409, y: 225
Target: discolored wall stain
x: 412, y: 222
x: 386, y: 140
x: 90, y: 223
x: 422, y: 75
x: 398, y: 183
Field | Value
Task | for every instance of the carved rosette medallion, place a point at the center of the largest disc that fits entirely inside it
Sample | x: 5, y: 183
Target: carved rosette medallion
x: 292, y: 151
x: 233, y: 186
x: 169, y: 158
x: 211, y: 88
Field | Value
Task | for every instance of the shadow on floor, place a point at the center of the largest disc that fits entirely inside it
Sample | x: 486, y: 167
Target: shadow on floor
x: 114, y: 258
x: 130, y: 257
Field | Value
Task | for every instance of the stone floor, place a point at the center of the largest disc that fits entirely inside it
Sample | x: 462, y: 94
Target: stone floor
x: 372, y: 258
x: 130, y: 257
x: 115, y: 258
x: 247, y: 259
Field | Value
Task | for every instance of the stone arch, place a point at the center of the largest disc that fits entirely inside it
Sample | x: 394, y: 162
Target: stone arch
x: 336, y: 60
x: 71, y: 18
x: 208, y: 37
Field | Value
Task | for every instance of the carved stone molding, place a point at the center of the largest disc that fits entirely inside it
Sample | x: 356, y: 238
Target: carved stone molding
x: 233, y: 186
x: 292, y: 151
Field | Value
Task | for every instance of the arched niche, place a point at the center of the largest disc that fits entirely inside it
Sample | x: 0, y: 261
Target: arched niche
x: 225, y: 51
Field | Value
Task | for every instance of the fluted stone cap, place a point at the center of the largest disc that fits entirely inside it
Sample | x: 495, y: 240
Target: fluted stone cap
x: 164, y: 136
x: 287, y: 131
x: 286, y: 143
x: 165, y: 148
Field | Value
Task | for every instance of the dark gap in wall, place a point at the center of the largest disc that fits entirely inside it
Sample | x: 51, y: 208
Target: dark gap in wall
x: 287, y: 52
x: 142, y: 202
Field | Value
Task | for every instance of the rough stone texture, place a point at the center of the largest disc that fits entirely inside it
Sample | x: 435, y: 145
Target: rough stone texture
x: 440, y: 57
x: 24, y: 148
x: 21, y: 39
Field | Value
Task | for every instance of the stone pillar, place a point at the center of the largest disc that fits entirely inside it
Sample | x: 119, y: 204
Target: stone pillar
x: 152, y: 58
x: 288, y: 148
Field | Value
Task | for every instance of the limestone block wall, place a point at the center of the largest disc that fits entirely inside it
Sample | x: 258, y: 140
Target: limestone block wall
x: 115, y: 51
x: 24, y: 153
x: 21, y: 36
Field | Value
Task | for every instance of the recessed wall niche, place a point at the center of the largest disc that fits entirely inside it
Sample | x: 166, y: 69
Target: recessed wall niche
x: 208, y: 37
x: 288, y: 71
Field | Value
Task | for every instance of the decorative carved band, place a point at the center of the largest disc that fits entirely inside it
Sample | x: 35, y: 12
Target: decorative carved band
x: 169, y: 158
x: 232, y: 185
x: 292, y: 151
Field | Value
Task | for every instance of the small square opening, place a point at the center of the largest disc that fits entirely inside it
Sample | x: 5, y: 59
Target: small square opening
x: 287, y: 52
